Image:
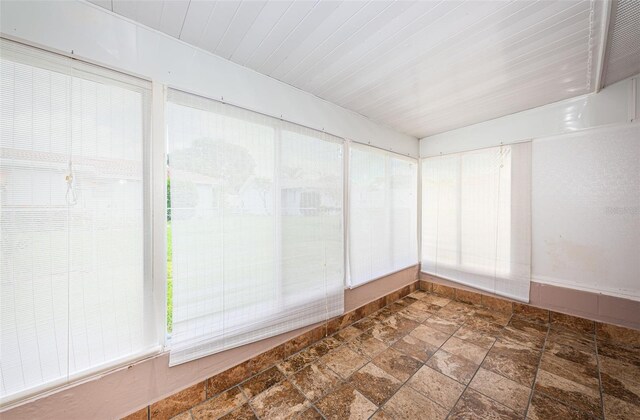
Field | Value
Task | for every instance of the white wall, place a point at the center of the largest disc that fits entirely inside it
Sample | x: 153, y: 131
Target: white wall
x: 585, y: 185
x: 86, y: 31
x: 586, y: 210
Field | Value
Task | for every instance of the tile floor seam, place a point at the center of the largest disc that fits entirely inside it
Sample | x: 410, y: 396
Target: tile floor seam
x: 312, y: 404
x: 595, y: 338
x: 535, y: 377
x: 341, y: 383
x: 474, y: 375
x: 381, y: 407
x: 249, y: 399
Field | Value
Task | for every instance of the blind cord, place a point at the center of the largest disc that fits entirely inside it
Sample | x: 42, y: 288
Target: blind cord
x: 71, y: 196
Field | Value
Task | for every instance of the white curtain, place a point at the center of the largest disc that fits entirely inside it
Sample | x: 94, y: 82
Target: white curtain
x: 383, y: 213
x: 73, y: 294
x: 256, y: 223
x: 476, y: 219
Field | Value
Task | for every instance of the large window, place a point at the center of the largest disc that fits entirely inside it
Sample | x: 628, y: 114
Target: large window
x: 383, y: 213
x: 476, y: 218
x: 75, y: 294
x: 256, y: 224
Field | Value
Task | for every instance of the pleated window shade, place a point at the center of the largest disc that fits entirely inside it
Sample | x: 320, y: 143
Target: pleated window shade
x: 476, y: 219
x: 73, y: 294
x: 383, y: 213
x: 257, y: 226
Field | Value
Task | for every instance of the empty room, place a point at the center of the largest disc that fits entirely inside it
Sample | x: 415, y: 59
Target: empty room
x: 319, y: 209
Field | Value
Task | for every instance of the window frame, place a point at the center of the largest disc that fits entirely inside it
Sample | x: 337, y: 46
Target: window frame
x: 152, y: 292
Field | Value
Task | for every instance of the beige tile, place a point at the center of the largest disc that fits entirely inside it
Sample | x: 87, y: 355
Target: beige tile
x: 573, y: 394
x: 279, y: 402
x: 435, y: 300
x: 415, y: 348
x: 220, y: 405
x: 415, y: 313
x: 315, y: 380
x: 244, y: 412
x: 346, y: 403
x: 441, y: 324
x: 518, y: 331
x: 543, y: 407
x: 410, y: 404
x: 397, y: 364
x: 426, y: 307
x: 438, y: 387
x: 473, y: 405
x: 513, y: 361
x: 386, y: 333
x: 381, y: 415
x: 456, y: 367
x: 367, y: 345
x: 310, y: 414
x: 182, y: 416
x: 347, y: 334
x: 501, y: 389
x: 586, y: 375
x: 484, y: 326
x: 617, y: 409
x: 401, y: 324
x: 495, y: 317
x: 470, y: 334
x: 374, y: 383
x: 465, y: 349
x: 430, y: 335
x: 344, y: 361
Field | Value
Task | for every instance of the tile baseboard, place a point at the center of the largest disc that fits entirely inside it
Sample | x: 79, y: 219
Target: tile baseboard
x: 611, y: 318
x: 189, y: 397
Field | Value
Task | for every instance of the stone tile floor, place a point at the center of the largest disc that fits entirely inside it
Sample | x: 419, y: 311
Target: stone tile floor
x: 426, y: 357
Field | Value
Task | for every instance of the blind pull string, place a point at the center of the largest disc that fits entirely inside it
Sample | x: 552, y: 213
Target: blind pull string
x: 71, y: 195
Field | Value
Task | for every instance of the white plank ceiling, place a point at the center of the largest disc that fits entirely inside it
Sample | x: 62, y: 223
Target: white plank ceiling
x: 421, y: 67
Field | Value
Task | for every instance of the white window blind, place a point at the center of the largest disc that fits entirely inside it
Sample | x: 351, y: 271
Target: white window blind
x: 74, y: 299
x: 476, y: 219
x: 383, y: 213
x: 257, y: 229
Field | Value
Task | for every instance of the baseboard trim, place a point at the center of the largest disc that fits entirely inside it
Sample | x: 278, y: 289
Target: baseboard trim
x: 590, y: 306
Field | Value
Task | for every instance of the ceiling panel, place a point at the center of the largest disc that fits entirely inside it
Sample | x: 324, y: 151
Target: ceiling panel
x: 623, y: 56
x: 421, y: 67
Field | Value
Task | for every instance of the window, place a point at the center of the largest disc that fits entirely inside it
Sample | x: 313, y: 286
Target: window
x: 74, y: 289
x: 476, y: 218
x: 256, y: 223
x: 383, y: 213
